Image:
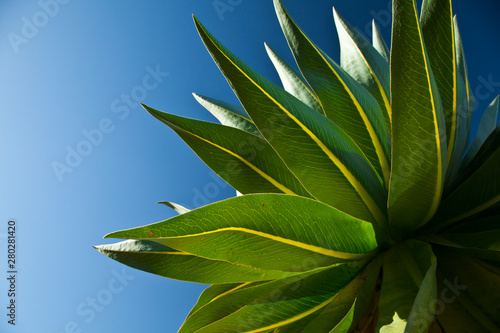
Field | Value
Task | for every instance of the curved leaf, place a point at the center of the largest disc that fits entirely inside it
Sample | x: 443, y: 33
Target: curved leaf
x: 450, y: 314
x: 284, y: 303
x: 488, y: 148
x: 344, y: 100
x: 322, y: 156
x: 178, y: 208
x: 470, y: 285
x: 408, y: 286
x: 484, y: 221
x: 352, y: 305
x: 234, y: 299
x: 330, y: 316
x: 478, y: 192
x: 418, y: 147
x: 228, y: 114
x: 486, y: 127
x: 461, y: 134
x: 379, y: 43
x: 292, y: 81
x: 244, y: 160
x: 266, y: 231
x: 438, y: 33
x: 346, y: 309
x: 365, y: 64
x: 462, y: 69
x: 482, y: 244
x: 152, y: 257
x: 423, y: 309
x: 215, y: 291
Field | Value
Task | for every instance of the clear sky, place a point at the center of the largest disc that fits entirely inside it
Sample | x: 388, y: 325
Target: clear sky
x: 80, y: 158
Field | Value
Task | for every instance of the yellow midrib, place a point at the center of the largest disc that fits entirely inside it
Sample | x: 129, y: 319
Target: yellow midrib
x: 384, y: 163
x: 387, y: 104
x: 382, y: 92
x: 230, y: 291
x: 264, y: 175
x: 453, y: 129
x: 217, y: 297
x: 295, y: 318
x: 297, y: 244
x: 439, y: 177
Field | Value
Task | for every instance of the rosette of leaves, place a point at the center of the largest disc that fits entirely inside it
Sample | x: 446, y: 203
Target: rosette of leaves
x: 366, y: 205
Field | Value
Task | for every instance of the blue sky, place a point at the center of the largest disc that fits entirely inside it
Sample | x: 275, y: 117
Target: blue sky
x: 81, y: 159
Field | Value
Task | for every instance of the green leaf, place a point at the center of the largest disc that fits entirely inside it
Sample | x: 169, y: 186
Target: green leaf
x: 347, y: 308
x: 478, y: 192
x: 365, y: 64
x: 438, y: 33
x: 350, y: 305
x: 266, y: 231
x: 478, y: 236
x: 462, y: 69
x: 461, y: 134
x: 473, y: 285
x: 423, y: 309
x: 292, y: 81
x: 178, y: 208
x: 379, y: 42
x: 337, y: 316
x: 486, y: 127
x: 408, y: 286
x: 228, y: 114
x: 487, y: 240
x: 450, y: 314
x: 322, y: 156
x: 247, y: 162
x: 346, y: 322
x: 418, y: 146
x: 286, y: 303
x: 344, y: 100
x: 488, y: 148
x: 464, y: 111
x: 215, y: 291
x: 329, y: 317
x: 484, y: 221
x: 153, y: 257
x: 233, y: 300
x: 483, y: 245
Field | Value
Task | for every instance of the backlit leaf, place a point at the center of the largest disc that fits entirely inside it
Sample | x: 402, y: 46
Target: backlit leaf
x: 320, y: 154
x: 266, y: 231
x: 343, y: 99
x: 418, y: 142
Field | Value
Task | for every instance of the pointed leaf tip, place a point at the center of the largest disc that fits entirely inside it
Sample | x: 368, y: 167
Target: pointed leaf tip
x: 178, y: 208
